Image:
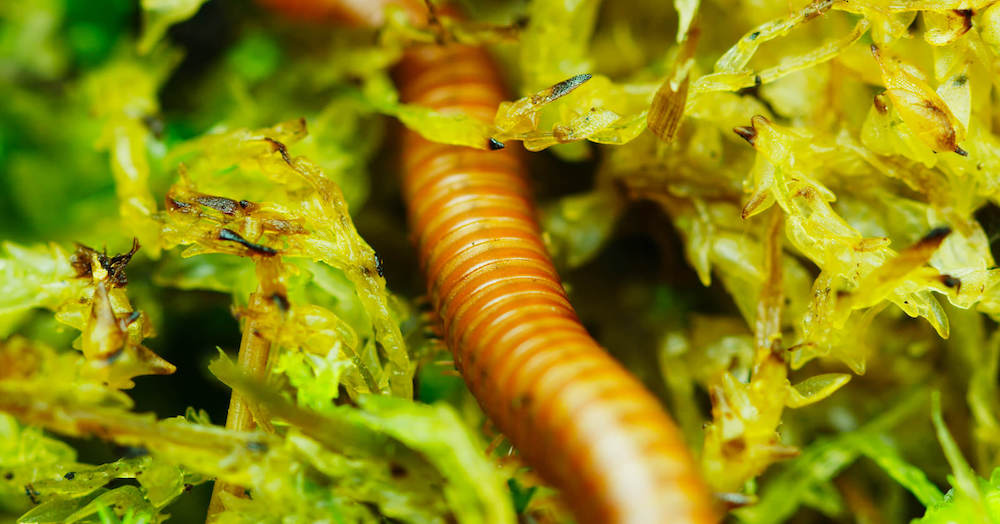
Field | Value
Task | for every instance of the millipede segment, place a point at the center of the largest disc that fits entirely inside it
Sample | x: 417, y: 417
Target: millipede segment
x: 573, y: 412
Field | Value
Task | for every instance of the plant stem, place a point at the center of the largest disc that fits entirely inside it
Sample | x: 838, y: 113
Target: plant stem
x: 254, y: 360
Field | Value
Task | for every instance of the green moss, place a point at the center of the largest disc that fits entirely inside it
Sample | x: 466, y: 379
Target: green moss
x: 842, y: 231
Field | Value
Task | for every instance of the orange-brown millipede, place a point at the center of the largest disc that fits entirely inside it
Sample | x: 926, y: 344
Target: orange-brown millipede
x: 573, y: 412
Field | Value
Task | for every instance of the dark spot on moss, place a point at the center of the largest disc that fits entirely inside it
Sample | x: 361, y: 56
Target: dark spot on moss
x: 117, y: 264
x: 936, y: 235
x: 733, y: 447
x: 174, y: 204
x: 80, y: 260
x: 281, y: 301
x: 950, y: 281
x: 988, y: 217
x: 747, y: 133
x: 231, y: 236
x: 397, y: 471
x: 154, y: 124
x: 880, y: 104
x: 8, y: 476
x: 69, y: 476
x: 130, y: 451
x: 31, y: 493
x: 114, y: 356
x: 83, y: 258
x: 280, y: 148
x: 966, y: 15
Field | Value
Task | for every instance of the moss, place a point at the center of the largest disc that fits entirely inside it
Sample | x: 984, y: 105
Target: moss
x: 827, y: 169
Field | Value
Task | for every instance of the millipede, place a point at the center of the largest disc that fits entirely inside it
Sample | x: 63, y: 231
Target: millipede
x: 574, y: 413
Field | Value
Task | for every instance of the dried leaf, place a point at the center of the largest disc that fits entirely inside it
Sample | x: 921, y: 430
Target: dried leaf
x: 919, y: 106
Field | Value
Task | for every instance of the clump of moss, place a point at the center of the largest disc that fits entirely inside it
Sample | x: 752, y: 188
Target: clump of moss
x: 827, y: 167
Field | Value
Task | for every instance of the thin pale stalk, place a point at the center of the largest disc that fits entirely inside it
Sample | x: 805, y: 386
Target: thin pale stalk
x: 254, y: 361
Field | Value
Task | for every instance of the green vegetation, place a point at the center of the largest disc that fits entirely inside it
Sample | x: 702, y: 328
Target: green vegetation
x: 212, y: 155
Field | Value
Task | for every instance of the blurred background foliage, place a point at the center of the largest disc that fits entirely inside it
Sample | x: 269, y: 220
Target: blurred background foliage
x: 737, y: 274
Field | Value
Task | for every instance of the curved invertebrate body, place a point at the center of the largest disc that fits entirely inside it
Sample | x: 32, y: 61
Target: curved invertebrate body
x: 573, y: 412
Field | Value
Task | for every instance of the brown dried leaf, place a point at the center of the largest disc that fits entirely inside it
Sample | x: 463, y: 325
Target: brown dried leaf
x: 667, y: 110
x: 944, y: 27
x: 918, y: 105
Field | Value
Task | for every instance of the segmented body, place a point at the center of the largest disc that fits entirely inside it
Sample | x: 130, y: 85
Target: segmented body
x: 571, y: 410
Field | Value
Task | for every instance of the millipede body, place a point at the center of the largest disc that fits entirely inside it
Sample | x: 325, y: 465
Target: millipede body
x: 573, y: 412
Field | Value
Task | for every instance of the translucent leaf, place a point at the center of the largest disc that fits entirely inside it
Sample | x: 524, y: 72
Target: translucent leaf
x: 737, y: 57
x: 918, y: 105
x: 447, y: 128
x: 58, y: 510
x: 944, y: 27
x: 815, y: 389
x: 124, y: 497
x: 990, y: 28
